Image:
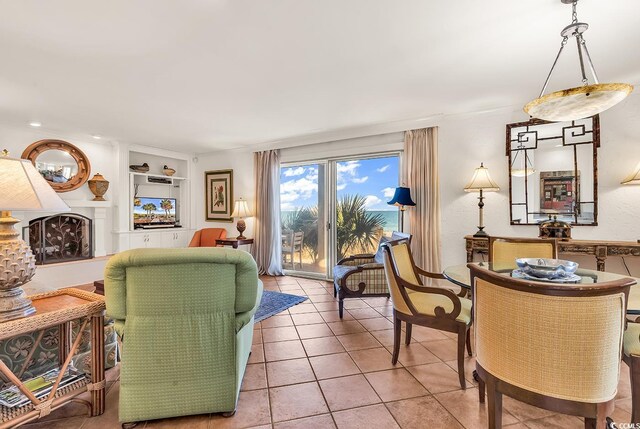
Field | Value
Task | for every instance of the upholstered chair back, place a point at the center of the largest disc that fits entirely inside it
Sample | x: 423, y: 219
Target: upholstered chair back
x: 207, y: 237
x: 186, y: 319
x: 556, y: 341
x: 398, y: 256
x: 507, y: 250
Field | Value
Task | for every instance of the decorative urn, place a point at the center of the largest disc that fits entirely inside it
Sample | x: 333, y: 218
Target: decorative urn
x: 554, y: 228
x: 98, y: 186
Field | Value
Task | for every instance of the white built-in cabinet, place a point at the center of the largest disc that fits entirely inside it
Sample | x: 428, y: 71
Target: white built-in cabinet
x: 165, y: 239
x: 146, y: 185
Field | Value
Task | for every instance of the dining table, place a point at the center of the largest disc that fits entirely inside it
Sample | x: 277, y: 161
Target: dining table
x: 460, y: 275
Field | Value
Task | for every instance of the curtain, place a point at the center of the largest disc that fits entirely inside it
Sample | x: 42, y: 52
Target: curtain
x: 421, y: 173
x: 267, y: 235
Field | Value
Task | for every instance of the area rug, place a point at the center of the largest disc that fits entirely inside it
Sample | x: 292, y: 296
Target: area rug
x: 276, y: 302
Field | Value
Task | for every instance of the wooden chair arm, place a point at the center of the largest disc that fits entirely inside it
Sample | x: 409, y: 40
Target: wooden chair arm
x: 430, y: 274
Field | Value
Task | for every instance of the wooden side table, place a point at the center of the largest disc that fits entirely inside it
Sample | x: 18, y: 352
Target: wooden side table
x: 233, y: 242
x: 59, y: 308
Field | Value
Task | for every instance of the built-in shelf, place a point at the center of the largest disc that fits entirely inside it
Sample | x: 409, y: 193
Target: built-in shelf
x: 164, y: 176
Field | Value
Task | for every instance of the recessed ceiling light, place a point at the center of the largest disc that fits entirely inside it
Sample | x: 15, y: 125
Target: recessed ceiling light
x: 95, y: 136
x: 35, y: 124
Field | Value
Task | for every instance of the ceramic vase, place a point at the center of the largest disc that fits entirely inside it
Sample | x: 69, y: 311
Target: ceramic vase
x: 98, y: 186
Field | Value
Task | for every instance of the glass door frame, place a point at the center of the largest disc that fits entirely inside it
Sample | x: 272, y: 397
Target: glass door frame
x: 330, y: 214
x: 325, y: 182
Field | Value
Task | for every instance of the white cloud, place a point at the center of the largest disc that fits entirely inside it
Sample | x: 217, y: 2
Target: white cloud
x: 371, y: 200
x: 341, y: 186
x: 383, y: 168
x: 290, y: 172
x: 349, y: 167
x: 388, y: 192
x: 360, y: 179
x: 293, y: 190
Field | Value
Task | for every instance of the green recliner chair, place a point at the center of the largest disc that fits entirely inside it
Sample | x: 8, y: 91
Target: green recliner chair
x: 185, y: 317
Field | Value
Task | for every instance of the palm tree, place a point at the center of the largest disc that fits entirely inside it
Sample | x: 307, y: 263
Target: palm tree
x: 304, y: 219
x: 356, y: 228
x: 166, y: 205
x: 149, y: 208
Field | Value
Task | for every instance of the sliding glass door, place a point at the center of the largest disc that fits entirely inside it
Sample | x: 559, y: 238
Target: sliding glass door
x: 334, y: 208
x: 303, y: 217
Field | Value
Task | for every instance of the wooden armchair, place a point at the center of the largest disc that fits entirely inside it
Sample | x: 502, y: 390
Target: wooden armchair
x: 362, y: 275
x: 549, y: 345
x: 431, y: 306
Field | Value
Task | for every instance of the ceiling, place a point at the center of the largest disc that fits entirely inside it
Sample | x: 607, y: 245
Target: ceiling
x: 203, y: 75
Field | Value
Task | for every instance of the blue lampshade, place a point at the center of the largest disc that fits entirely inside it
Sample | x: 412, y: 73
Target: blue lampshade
x: 402, y: 197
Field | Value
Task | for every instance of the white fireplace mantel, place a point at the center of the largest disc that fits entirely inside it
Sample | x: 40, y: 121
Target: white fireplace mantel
x: 99, y: 216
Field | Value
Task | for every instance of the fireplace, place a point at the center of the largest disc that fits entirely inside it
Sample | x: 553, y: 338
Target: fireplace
x: 60, y: 238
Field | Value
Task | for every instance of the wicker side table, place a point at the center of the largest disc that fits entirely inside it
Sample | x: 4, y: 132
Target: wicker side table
x: 59, y: 308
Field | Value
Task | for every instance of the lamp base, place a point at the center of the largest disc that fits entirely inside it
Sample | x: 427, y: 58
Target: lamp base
x: 19, y: 267
x: 481, y: 233
x: 241, y: 226
x: 14, y: 304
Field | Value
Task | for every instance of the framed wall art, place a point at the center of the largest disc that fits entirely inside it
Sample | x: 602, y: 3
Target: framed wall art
x: 218, y: 187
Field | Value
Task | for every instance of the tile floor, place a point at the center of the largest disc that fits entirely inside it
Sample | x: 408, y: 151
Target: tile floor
x: 309, y: 369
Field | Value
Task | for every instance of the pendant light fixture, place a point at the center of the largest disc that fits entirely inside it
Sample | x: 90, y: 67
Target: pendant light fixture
x: 528, y: 169
x: 579, y: 102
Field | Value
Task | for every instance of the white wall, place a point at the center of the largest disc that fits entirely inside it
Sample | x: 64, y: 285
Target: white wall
x: 465, y: 141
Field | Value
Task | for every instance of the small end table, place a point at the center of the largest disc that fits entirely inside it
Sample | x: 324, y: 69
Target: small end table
x: 59, y: 308
x: 233, y: 242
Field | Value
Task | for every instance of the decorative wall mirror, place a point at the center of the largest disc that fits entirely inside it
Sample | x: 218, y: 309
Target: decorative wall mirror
x: 64, y: 166
x: 553, y: 170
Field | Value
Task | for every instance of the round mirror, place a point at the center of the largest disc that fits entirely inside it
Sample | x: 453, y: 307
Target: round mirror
x: 62, y: 165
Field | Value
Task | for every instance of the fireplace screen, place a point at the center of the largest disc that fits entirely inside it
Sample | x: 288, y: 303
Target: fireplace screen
x: 60, y: 238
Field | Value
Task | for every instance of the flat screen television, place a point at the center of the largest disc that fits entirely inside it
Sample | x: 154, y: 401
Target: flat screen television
x: 154, y: 212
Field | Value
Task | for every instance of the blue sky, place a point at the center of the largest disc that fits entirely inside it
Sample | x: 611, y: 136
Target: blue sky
x: 374, y: 178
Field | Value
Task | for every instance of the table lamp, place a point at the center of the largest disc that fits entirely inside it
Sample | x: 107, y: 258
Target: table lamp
x: 402, y: 199
x: 481, y: 182
x: 633, y: 178
x: 241, y: 210
x: 22, y: 188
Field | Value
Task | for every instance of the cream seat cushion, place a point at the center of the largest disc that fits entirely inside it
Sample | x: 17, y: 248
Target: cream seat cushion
x: 632, y: 339
x: 426, y: 303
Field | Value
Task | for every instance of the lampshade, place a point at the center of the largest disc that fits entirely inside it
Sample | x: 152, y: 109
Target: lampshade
x: 402, y: 197
x: 241, y: 209
x: 481, y: 181
x: 578, y: 103
x: 634, y: 178
x: 22, y: 188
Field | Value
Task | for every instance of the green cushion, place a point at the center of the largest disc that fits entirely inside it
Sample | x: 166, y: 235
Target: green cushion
x: 426, y: 303
x: 631, y: 345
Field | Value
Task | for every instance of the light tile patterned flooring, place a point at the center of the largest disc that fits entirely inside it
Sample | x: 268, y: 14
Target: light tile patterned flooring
x: 309, y: 369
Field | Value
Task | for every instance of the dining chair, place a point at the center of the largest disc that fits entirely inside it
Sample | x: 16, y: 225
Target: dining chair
x: 425, y: 305
x: 293, y: 246
x: 550, y: 345
x: 503, y: 250
x: 631, y: 356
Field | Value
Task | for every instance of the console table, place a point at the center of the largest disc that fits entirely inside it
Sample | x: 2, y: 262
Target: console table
x: 600, y: 249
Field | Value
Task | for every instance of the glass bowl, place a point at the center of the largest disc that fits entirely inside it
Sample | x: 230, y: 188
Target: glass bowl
x: 546, y: 268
